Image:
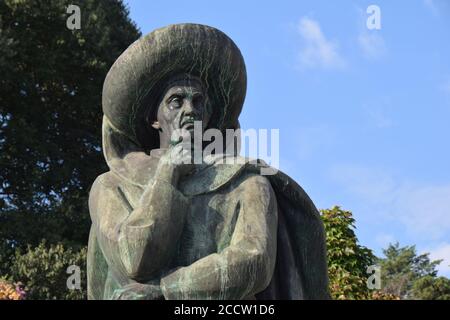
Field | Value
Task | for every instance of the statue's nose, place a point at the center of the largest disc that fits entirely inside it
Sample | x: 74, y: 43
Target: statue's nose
x: 188, y: 107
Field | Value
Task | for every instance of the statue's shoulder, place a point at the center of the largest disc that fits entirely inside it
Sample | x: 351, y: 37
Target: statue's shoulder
x: 251, y: 183
x: 105, y: 181
x: 249, y: 178
x: 103, y: 195
x: 238, y: 172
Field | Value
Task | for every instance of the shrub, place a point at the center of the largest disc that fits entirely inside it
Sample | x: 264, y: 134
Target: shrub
x: 9, y: 291
x: 43, y: 270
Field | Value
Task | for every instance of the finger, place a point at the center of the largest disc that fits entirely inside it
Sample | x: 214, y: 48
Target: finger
x: 180, y: 154
x: 186, y: 157
x: 179, y: 135
x: 116, y: 295
x: 177, y: 150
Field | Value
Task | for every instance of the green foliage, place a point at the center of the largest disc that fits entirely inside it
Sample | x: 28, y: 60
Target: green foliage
x: 50, y: 153
x: 402, y: 269
x: 347, y: 260
x: 10, y: 291
x: 6, y: 256
x: 50, y: 113
x: 431, y: 288
x: 50, y: 132
x: 404, y: 273
x: 43, y: 270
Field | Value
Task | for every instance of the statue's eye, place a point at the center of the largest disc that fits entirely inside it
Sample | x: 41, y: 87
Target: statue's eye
x: 175, y: 103
x: 198, y: 100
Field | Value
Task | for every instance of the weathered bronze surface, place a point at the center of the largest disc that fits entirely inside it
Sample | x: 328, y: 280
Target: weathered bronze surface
x: 162, y: 230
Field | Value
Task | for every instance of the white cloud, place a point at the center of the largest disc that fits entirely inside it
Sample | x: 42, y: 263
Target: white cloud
x: 372, y: 44
x: 431, y: 5
x: 442, y: 252
x: 436, y: 6
x: 380, y: 118
x: 384, y: 239
x: 317, y: 50
x: 369, y: 184
x: 424, y: 210
x: 377, y: 110
x: 445, y: 87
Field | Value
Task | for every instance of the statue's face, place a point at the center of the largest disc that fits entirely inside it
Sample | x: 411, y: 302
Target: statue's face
x: 183, y: 103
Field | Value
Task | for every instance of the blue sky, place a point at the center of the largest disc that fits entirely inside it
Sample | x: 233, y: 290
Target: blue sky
x: 364, y: 115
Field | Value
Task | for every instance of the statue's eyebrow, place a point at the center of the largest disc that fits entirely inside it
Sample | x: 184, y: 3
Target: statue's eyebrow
x: 174, y: 95
x: 183, y: 92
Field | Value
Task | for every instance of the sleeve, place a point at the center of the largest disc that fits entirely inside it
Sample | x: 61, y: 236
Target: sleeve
x: 243, y: 268
x: 140, y: 241
x: 97, y: 269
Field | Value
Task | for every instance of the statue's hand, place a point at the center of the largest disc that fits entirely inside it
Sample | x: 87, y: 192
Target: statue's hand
x: 177, y: 160
x: 138, y: 291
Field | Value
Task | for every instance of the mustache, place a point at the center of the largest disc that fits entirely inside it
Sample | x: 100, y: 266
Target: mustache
x: 188, y: 120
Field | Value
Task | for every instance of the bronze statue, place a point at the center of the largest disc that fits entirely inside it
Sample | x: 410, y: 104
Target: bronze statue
x: 164, y: 229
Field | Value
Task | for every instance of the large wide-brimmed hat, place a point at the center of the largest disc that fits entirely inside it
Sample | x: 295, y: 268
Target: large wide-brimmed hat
x: 136, y: 81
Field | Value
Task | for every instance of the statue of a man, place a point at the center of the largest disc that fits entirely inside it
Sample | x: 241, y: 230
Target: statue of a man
x: 165, y: 229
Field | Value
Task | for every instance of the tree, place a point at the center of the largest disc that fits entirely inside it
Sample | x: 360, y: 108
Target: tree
x: 50, y: 118
x: 44, y: 271
x: 347, y: 260
x: 50, y: 113
x: 403, y: 269
x: 9, y: 291
x: 431, y: 288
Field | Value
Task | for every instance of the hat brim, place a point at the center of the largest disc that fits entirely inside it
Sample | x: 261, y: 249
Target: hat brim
x: 134, y: 83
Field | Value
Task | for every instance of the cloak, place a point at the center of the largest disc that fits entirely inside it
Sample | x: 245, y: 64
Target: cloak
x: 132, y: 85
